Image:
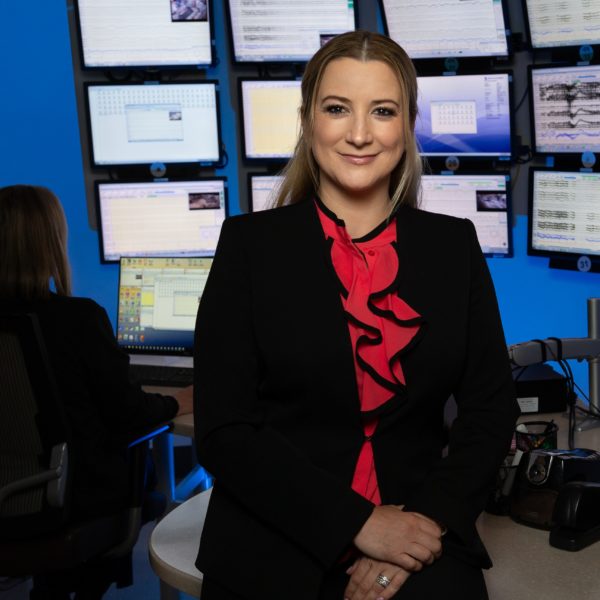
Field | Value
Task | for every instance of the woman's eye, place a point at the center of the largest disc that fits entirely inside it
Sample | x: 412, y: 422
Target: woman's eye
x: 383, y: 111
x: 335, y: 109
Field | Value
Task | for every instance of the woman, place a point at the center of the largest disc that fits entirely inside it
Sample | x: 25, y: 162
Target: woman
x: 90, y: 370
x: 330, y: 335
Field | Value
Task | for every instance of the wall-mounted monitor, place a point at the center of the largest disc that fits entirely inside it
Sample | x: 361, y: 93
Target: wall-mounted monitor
x: 286, y: 31
x: 483, y: 198
x: 560, y: 23
x: 154, y: 122
x: 262, y: 190
x: 464, y: 115
x: 439, y: 28
x: 144, y: 33
x: 160, y: 218
x: 564, y: 213
x: 565, y: 108
x: 270, y: 117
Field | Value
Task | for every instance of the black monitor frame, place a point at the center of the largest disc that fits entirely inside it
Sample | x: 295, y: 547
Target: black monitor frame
x: 99, y: 182
x: 267, y: 63
x: 573, y: 157
x: 558, y: 259
x: 207, y: 163
x: 118, y: 68
x: 273, y: 161
x: 428, y: 63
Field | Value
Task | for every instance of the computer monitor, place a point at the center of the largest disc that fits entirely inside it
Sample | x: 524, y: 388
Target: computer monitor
x: 565, y: 108
x: 270, y: 117
x: 564, y: 214
x: 144, y: 33
x: 464, y: 115
x: 138, y: 123
x: 262, y: 191
x: 160, y: 218
x: 483, y: 198
x: 553, y: 24
x: 158, y: 302
x: 438, y: 28
x: 285, y: 31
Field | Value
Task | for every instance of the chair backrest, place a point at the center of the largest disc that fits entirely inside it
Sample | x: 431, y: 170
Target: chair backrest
x: 34, y: 434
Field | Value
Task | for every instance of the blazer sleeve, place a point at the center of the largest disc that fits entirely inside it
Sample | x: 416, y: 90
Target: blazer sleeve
x: 456, y: 489
x: 256, y: 465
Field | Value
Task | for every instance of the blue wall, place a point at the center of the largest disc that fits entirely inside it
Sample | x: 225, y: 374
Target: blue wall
x: 39, y: 144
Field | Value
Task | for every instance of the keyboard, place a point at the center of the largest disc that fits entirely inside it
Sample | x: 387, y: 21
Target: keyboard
x: 161, y: 375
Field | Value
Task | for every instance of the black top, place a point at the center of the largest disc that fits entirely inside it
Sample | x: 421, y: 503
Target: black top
x: 101, y: 404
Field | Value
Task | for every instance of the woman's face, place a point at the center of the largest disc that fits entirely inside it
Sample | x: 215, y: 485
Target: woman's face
x: 358, y: 133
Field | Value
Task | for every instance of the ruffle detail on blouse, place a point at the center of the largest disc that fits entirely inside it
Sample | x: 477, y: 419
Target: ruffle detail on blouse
x: 381, y: 324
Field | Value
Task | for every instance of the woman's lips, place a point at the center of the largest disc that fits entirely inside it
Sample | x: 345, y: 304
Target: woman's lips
x: 359, y: 159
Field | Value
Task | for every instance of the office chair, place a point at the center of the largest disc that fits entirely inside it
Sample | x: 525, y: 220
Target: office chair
x: 36, y: 536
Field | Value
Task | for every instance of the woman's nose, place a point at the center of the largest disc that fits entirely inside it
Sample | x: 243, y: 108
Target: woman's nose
x: 359, y: 131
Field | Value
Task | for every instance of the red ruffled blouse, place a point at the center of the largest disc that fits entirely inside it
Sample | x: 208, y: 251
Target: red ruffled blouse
x: 381, y: 325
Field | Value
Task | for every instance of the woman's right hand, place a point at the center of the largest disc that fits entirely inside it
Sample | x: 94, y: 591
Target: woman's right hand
x: 409, y: 540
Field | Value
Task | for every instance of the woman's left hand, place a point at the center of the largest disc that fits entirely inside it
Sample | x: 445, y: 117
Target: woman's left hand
x: 372, y: 579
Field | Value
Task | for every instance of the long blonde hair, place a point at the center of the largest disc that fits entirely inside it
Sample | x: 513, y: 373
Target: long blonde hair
x: 301, y: 174
x: 33, y: 243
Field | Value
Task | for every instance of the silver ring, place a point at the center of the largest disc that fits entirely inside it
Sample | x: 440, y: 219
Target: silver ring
x: 382, y: 580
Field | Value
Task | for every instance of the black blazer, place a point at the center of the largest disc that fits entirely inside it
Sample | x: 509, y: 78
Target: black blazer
x: 277, y: 415
x: 101, y: 404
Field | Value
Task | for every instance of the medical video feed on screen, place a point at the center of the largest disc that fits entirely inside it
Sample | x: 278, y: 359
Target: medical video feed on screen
x: 146, y: 123
x: 284, y: 30
x: 467, y: 115
x: 439, y: 28
x: 565, y: 112
x: 145, y: 33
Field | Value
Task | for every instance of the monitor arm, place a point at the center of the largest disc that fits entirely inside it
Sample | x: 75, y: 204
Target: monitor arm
x: 539, y: 351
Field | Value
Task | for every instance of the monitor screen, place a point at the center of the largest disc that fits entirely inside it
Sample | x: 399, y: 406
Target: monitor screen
x: 162, y: 218
x: 466, y: 115
x: 285, y: 31
x: 146, y: 123
x: 564, y: 212
x: 438, y: 28
x: 158, y: 302
x: 144, y: 33
x: 483, y: 199
x: 270, y: 116
x: 554, y: 23
x: 263, y: 191
x: 565, y: 108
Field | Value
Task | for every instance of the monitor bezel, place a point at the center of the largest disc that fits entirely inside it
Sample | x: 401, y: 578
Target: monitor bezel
x: 149, y: 67
x: 478, y: 159
x: 234, y: 59
x: 90, y: 140
x: 549, y: 66
x: 509, y: 205
x: 242, y: 123
x: 477, y: 57
x: 561, y: 49
x: 531, y: 251
x: 99, y: 224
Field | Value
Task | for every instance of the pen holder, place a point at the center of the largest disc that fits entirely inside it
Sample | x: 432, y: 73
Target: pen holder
x: 536, y: 435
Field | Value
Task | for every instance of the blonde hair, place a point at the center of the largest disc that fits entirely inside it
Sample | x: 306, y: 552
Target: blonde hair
x: 33, y: 243
x: 301, y: 174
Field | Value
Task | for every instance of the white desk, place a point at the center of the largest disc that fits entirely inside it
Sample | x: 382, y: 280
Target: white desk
x: 525, y: 565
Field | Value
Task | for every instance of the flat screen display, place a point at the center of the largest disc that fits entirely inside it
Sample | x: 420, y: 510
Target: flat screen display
x: 442, y: 28
x: 158, y: 302
x: 263, y: 191
x: 565, y: 108
x: 286, y: 31
x: 145, y: 33
x: 483, y: 199
x: 146, y: 123
x: 162, y: 218
x: 564, y: 213
x: 270, y: 115
x: 556, y: 23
